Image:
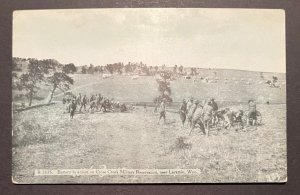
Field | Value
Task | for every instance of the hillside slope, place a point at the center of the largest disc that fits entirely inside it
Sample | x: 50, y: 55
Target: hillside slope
x: 224, y: 85
x: 237, y: 88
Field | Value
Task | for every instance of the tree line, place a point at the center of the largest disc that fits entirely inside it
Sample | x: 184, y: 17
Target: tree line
x: 131, y: 67
x: 47, y: 72
x: 52, y: 73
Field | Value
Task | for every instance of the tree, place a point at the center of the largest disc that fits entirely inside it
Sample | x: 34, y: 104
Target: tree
x: 83, y: 69
x: 193, y: 71
x: 15, y: 64
x: 164, y: 87
x: 91, y: 69
x: 29, y: 81
x: 175, y: 69
x: 180, y: 69
x: 110, y: 68
x: 69, y: 68
x: 156, y: 69
x: 14, y: 80
x: 59, y: 80
x: 145, y: 70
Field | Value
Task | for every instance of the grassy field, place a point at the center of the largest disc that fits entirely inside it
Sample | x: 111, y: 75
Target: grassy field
x: 231, y: 86
x: 45, y: 138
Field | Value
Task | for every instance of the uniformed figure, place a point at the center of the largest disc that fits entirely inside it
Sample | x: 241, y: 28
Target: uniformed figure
x: 207, y: 116
x: 215, y: 110
x: 98, y: 100
x: 214, y: 104
x: 197, y: 119
x: 83, y: 103
x: 123, y: 107
x: 190, y: 112
x: 162, y: 111
x: 189, y: 104
x: 73, y: 108
x: 78, y: 99
x: 252, y: 113
x: 183, y: 112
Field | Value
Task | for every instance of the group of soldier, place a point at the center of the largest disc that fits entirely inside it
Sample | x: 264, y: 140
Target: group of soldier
x: 204, y: 114
x: 207, y: 114
x: 95, y: 102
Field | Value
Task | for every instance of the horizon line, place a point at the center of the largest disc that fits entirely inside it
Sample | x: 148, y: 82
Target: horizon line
x: 169, y: 66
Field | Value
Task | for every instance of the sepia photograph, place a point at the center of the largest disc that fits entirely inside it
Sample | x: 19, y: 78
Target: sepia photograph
x: 149, y: 95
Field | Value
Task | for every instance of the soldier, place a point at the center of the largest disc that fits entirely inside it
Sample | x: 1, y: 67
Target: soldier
x: 98, y: 100
x: 162, y: 111
x: 83, y: 103
x: 252, y: 113
x: 92, y: 98
x: 73, y: 108
x: 183, y: 112
x: 190, y: 112
x: 214, y: 104
x: 215, y: 110
x: 123, y: 107
x: 197, y: 119
x: 104, y: 105
x: 231, y: 117
x: 68, y: 103
x: 92, y: 104
x: 207, y: 116
x: 78, y: 99
x: 189, y: 103
x: 111, y: 104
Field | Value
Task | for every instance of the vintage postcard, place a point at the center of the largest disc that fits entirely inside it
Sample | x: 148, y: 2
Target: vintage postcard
x: 149, y: 95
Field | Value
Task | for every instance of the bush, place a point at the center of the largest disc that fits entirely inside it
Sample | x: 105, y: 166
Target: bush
x: 181, y: 144
x: 30, y: 133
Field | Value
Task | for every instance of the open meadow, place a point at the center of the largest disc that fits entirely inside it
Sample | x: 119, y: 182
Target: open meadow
x: 45, y: 137
x: 229, y: 86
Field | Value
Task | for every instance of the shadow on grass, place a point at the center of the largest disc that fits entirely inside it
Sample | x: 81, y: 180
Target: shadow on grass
x: 32, y: 107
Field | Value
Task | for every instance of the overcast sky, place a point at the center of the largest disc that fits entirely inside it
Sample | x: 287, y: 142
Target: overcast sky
x: 216, y: 38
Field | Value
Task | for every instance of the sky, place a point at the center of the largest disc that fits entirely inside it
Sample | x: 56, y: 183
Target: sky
x: 246, y: 39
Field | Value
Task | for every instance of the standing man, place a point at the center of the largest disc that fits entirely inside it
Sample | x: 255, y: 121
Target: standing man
x: 207, y: 116
x: 73, y: 108
x: 190, y: 112
x: 189, y: 103
x: 214, y: 104
x: 68, y: 101
x: 162, y: 111
x: 215, y: 110
x: 99, y: 99
x: 83, y: 103
x: 78, y: 99
x: 183, y: 111
x: 252, y: 113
